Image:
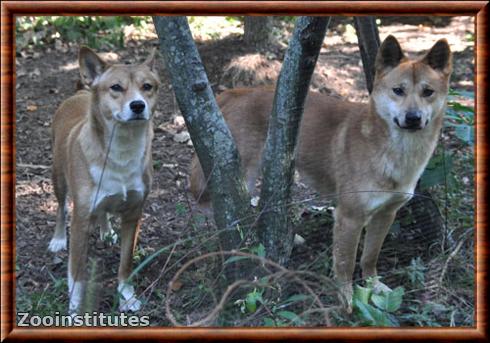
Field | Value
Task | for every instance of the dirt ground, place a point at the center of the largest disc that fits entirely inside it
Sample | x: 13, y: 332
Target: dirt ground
x: 48, y: 74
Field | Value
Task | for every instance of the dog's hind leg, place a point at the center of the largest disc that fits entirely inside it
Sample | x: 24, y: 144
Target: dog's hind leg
x: 58, y: 242
x: 129, y: 236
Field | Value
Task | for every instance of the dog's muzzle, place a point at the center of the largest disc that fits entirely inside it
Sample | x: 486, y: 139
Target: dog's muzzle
x: 413, y: 121
x: 137, y: 108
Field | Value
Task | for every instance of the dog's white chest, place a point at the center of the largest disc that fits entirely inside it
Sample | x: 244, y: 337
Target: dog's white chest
x: 404, y: 168
x: 117, y: 182
x: 122, y: 175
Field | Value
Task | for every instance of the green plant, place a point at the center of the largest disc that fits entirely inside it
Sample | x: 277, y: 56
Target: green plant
x: 45, y: 302
x: 94, y: 31
x: 459, y: 119
x: 277, y: 313
x: 212, y: 28
x: 249, y: 304
x: 280, y: 317
x: 181, y: 209
x: 375, y: 307
x: 414, y: 273
x: 426, y: 314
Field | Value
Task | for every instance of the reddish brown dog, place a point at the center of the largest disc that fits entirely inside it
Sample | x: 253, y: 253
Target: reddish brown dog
x: 369, y: 155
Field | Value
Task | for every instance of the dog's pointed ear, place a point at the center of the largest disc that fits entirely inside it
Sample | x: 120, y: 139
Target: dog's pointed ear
x: 91, y: 65
x: 389, y: 54
x: 151, y: 60
x: 439, y: 57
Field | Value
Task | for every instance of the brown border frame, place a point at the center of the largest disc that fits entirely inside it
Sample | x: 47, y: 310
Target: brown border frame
x: 9, y: 9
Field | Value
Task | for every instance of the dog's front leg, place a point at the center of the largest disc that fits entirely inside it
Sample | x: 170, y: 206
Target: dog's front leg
x: 376, y: 231
x: 129, y: 236
x: 79, y: 234
x: 346, y: 234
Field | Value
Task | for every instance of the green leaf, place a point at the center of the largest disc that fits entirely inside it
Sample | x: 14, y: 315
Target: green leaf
x: 258, y: 250
x: 389, y: 301
x: 291, y: 300
x: 148, y: 260
x: 251, y: 304
x: 362, y: 294
x: 461, y: 108
x: 365, y: 310
x: 252, y: 299
x: 240, y: 231
x: 460, y: 113
x: 261, y: 250
x: 291, y: 316
x: 373, y: 316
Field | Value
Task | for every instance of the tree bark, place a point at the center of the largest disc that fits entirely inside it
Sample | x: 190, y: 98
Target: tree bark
x: 275, y: 230
x: 210, y: 135
x: 368, y: 40
x: 257, y: 31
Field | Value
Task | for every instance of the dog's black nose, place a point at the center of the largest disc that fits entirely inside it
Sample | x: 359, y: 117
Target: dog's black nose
x: 137, y: 106
x: 413, y: 118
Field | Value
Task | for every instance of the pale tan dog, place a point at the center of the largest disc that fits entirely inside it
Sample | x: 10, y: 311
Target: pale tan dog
x: 102, y: 159
x: 369, y: 155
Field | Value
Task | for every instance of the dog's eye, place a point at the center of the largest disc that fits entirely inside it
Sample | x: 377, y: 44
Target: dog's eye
x: 116, y: 87
x: 427, y: 92
x: 398, y: 91
x: 147, y: 87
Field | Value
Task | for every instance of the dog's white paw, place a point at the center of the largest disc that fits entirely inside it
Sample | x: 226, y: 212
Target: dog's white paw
x: 132, y: 305
x: 379, y: 287
x: 127, y: 298
x: 57, y: 244
x: 75, y: 294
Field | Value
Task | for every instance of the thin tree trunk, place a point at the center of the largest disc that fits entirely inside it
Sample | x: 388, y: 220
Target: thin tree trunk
x: 209, y: 133
x: 368, y: 40
x: 275, y: 231
x: 257, y: 31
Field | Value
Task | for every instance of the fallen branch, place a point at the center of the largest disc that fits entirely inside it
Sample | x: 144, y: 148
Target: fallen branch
x: 282, y: 272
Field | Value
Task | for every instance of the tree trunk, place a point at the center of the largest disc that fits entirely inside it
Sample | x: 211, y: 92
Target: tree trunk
x: 209, y: 133
x: 275, y: 230
x: 368, y: 39
x: 257, y: 31
x: 369, y: 42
